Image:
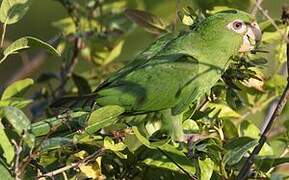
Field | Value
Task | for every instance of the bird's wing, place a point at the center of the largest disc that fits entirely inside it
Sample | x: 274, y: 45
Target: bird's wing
x: 161, y: 83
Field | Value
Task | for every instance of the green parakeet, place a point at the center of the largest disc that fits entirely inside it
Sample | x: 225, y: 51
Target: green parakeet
x: 176, y: 70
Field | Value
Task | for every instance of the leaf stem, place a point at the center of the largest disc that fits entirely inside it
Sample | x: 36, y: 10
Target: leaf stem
x: 3, y: 34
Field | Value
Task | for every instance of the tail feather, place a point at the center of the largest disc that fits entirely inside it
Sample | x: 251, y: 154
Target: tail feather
x: 74, y: 102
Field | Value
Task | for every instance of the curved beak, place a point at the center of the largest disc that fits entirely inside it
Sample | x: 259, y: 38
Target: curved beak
x: 252, y: 38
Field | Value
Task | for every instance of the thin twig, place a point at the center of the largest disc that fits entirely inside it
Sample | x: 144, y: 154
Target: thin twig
x: 255, y: 8
x: 68, y: 67
x: 18, y: 150
x: 86, y: 160
x: 265, y: 13
x: 281, y: 103
x: 3, y: 34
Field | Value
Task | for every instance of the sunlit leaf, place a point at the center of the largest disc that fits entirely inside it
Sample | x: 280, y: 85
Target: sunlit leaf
x: 141, y: 138
x: 17, y: 88
x: 206, y: 167
x: 249, y: 129
x: 217, y: 9
x: 16, y: 102
x: 5, y: 173
x: 237, y: 148
x: 223, y: 110
x: 132, y: 142
x: 66, y: 25
x: 165, y: 158
x: 271, y: 37
x: 103, y: 117
x: 115, y: 52
x: 229, y: 128
x: 92, y: 170
x: 11, y: 11
x: 108, y: 143
x: 20, y: 123
x: 6, y: 146
x: 187, y: 20
x: 25, y: 43
x: 190, y: 126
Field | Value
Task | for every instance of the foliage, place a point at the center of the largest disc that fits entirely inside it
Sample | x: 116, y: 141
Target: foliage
x: 222, y: 130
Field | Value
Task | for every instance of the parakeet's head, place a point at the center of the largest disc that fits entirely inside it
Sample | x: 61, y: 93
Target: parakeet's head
x: 231, y: 29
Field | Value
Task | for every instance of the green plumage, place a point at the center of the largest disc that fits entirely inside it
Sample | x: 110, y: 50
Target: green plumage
x: 175, y: 71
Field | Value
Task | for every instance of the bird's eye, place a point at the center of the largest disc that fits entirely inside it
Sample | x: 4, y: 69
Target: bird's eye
x: 237, y: 26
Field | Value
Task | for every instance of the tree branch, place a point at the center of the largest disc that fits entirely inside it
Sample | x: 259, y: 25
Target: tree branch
x: 68, y: 67
x: 243, y: 174
x: 86, y: 160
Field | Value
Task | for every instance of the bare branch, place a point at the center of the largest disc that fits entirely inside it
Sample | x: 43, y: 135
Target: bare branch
x: 86, y: 160
x: 68, y: 67
x: 255, y: 8
x: 18, y: 150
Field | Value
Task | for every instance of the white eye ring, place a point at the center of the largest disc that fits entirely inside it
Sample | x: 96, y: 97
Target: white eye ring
x: 237, y: 26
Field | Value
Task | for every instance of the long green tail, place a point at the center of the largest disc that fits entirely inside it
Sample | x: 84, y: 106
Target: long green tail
x: 74, y: 102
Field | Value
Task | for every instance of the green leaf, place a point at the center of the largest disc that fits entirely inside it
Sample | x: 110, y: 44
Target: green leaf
x: 4, y: 173
x: 207, y: 168
x: 271, y: 37
x: 17, y: 88
x: 141, y: 138
x: 66, y: 25
x: 115, y: 52
x: 45, y: 126
x: 25, y: 43
x: 190, y: 126
x: 103, y: 117
x: 217, y: 9
x: 11, y: 11
x: 158, y: 159
x: 56, y: 143
x: 266, y: 163
x: 187, y: 20
x: 20, y: 123
x: 132, y: 142
x: 16, y: 102
x: 108, y: 143
x: 210, y: 146
x: 7, y: 147
x: 223, y: 110
x: 249, y: 129
x: 237, y: 148
x: 229, y: 128
x: 149, y: 22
